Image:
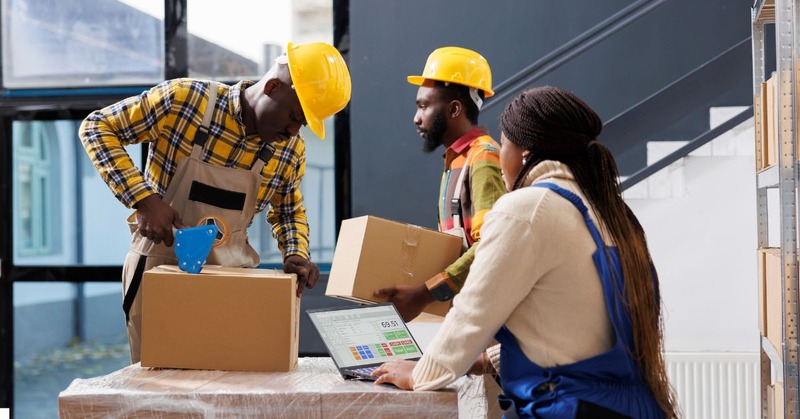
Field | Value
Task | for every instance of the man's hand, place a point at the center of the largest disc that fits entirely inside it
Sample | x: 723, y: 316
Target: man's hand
x: 397, y: 372
x: 156, y: 219
x: 409, y: 301
x: 307, y: 272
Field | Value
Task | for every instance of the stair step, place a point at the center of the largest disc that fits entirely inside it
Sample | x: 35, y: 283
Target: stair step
x: 664, y: 184
x: 670, y: 181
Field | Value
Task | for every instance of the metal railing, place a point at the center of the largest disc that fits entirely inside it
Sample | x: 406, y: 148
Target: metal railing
x: 571, y: 49
x: 692, y: 145
x: 663, y: 108
x: 666, y: 107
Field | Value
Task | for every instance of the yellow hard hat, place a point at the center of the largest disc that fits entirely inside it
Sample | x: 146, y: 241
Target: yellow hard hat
x: 321, y: 80
x: 457, y: 65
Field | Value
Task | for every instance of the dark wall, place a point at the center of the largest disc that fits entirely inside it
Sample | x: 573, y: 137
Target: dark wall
x: 389, y: 40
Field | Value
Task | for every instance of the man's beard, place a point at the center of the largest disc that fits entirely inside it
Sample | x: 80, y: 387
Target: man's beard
x: 433, y: 136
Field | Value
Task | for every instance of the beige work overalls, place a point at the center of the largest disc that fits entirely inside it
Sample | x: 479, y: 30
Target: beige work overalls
x: 200, y: 193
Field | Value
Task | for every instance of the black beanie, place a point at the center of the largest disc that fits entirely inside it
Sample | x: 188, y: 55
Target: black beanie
x: 550, y: 122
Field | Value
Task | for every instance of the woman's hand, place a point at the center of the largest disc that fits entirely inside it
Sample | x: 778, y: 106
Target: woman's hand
x: 397, y: 372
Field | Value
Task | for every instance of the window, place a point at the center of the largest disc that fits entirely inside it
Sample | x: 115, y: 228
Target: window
x: 76, y: 43
x: 63, y: 212
x: 33, y: 191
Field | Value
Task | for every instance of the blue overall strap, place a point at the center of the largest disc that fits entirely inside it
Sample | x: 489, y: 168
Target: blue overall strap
x: 608, y: 265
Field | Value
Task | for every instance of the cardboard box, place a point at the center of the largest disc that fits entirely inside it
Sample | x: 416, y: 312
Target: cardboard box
x: 768, y: 260
x: 775, y: 400
x: 772, y: 135
x: 760, y: 118
x: 232, y: 319
x: 770, y: 268
x: 373, y: 253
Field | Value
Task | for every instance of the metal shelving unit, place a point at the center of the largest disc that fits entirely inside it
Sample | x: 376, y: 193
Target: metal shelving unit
x: 780, y: 363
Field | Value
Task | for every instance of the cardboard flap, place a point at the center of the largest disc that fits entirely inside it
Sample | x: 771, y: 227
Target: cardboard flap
x: 220, y: 270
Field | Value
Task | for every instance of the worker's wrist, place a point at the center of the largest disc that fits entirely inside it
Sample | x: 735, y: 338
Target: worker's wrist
x: 296, y: 252
x: 439, y: 288
x: 423, y: 294
x: 146, y: 201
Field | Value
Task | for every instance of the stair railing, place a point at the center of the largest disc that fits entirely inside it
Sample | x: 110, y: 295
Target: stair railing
x: 684, y: 151
x: 571, y: 49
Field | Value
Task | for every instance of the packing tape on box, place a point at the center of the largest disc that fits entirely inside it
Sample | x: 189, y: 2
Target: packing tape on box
x: 408, y: 254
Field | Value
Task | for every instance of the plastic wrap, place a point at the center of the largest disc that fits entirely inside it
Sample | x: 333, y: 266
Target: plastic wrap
x: 314, y: 389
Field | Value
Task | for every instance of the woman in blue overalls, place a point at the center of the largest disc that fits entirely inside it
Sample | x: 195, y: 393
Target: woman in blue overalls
x: 562, y: 279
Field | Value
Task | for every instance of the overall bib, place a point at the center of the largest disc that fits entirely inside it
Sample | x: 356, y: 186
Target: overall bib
x: 201, y: 193
x: 610, y: 380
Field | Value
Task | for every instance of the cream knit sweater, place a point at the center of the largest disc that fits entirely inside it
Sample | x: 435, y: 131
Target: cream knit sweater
x: 533, y: 272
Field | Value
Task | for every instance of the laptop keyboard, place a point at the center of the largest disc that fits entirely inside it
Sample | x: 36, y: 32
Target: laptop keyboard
x: 363, y: 372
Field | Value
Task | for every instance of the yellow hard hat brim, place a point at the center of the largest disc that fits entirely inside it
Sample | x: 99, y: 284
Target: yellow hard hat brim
x: 416, y: 80
x: 316, y: 126
x: 419, y: 80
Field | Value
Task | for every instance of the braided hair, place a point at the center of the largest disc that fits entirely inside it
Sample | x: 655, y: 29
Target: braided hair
x: 554, y: 124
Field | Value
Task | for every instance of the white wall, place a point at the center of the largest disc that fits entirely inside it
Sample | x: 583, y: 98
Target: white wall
x: 704, y: 248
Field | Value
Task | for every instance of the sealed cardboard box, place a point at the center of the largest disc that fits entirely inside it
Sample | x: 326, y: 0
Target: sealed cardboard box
x: 232, y: 319
x: 373, y: 253
x: 760, y: 118
x: 775, y: 398
x: 772, y: 136
x: 770, y: 268
x: 768, y: 265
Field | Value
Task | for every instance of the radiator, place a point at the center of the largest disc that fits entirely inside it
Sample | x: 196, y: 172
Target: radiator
x: 712, y: 385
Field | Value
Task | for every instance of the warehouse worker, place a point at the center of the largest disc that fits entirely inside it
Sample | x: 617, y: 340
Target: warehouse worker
x: 217, y: 154
x: 562, y: 279
x: 452, y: 88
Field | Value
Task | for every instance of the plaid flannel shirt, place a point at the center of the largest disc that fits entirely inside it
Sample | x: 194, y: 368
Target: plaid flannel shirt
x: 167, y: 117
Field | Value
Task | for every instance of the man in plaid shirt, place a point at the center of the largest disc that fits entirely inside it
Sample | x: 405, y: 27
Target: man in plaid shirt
x: 217, y: 154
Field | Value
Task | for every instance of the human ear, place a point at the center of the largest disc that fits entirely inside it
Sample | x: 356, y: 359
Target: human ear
x: 271, y: 85
x: 455, y: 108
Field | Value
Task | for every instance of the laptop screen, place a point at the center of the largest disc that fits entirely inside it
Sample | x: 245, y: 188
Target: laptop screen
x: 364, y: 335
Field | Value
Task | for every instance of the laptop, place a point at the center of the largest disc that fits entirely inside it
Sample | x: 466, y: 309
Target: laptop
x: 360, y: 339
